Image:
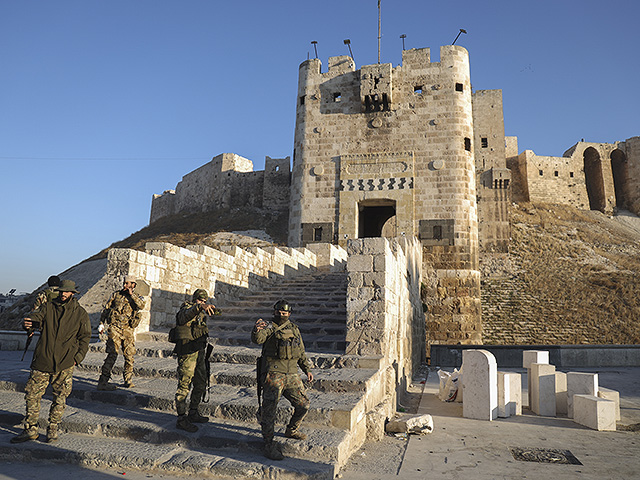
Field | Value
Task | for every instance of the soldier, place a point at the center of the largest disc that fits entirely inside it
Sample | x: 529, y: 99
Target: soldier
x: 282, y: 353
x: 122, y: 315
x: 64, y: 341
x: 48, y: 293
x: 191, y: 336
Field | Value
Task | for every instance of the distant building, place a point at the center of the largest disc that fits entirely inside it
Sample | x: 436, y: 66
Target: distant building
x: 9, y: 299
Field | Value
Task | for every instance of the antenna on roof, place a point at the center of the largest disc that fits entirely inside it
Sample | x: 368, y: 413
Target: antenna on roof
x: 315, y: 48
x: 462, y: 30
x: 347, y: 42
x: 403, y: 36
x: 379, y: 30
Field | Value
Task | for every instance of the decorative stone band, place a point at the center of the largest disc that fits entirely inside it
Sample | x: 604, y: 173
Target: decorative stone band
x: 376, y: 184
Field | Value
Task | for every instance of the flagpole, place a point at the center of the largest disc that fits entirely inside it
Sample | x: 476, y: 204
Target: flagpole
x: 379, y: 31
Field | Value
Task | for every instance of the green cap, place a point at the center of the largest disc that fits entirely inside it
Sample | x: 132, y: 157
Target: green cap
x: 282, y: 305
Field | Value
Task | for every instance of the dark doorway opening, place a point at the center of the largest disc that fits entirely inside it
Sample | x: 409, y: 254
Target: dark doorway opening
x: 620, y: 177
x: 594, y: 179
x: 377, y: 218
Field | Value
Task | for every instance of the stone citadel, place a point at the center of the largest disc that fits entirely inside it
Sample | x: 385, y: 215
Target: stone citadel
x: 411, y: 151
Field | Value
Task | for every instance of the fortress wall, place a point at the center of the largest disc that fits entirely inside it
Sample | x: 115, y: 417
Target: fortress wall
x: 632, y: 152
x: 384, y: 310
x: 488, y: 130
x: 174, y: 273
x: 162, y: 205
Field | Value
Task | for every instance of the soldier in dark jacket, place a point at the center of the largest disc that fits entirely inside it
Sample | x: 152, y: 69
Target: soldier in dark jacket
x: 282, y: 354
x: 192, y: 336
x: 121, y: 313
x: 48, y: 293
x: 64, y: 341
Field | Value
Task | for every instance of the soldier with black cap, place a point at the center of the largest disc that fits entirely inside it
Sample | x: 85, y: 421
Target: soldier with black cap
x: 282, y: 354
x: 191, y: 338
x: 48, y: 293
x: 65, y: 332
x: 121, y: 314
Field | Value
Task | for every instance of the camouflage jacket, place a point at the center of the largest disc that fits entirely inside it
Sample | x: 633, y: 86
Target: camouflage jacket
x: 282, y: 348
x: 122, y: 309
x: 191, y: 321
x: 45, y: 296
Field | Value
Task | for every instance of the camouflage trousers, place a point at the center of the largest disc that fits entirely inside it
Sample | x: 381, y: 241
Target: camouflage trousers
x: 192, y: 371
x: 290, y: 386
x: 38, y: 382
x: 121, y: 340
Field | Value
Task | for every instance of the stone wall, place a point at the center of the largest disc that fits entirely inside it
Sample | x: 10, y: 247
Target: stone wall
x: 384, y: 310
x: 227, y: 181
x: 174, y: 273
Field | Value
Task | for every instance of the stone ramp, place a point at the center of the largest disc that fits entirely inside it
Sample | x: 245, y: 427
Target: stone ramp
x: 135, y: 428
x: 319, y: 310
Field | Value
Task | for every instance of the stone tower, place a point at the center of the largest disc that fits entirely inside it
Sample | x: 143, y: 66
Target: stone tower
x: 384, y: 151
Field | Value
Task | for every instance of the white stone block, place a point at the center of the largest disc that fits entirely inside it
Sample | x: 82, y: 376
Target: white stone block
x: 416, y: 424
x: 509, y: 394
x: 561, y: 393
x: 543, y: 389
x: 594, y: 412
x: 612, y: 395
x: 529, y: 357
x: 579, y: 383
x: 479, y: 385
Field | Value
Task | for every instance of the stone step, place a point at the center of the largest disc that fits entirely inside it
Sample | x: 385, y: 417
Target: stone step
x: 245, y: 327
x: 137, y: 438
x: 235, y: 374
x: 312, y: 342
x: 226, y: 402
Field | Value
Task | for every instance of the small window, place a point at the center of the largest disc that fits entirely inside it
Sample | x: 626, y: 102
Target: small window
x: 555, y: 174
x: 459, y: 87
x: 302, y: 99
x: 417, y: 89
x: 317, y: 234
x: 467, y: 144
x: 337, y: 97
x: 437, y: 232
x: 277, y: 168
x: 571, y: 174
x: 484, y: 142
x: 540, y: 172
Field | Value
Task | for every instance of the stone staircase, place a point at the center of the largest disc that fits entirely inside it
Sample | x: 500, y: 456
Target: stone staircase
x: 319, y: 309
x: 135, y: 428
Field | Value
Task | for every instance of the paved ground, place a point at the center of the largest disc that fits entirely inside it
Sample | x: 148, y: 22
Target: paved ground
x: 461, y: 448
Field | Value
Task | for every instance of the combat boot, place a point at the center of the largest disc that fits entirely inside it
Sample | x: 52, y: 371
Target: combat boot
x: 195, y: 417
x: 128, y: 384
x: 104, y: 385
x: 183, y: 423
x: 297, y: 434
x: 52, y: 433
x: 272, y: 451
x: 29, y: 433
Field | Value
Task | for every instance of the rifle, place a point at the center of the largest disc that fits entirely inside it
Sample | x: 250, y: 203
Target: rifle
x: 260, y: 386
x: 207, y: 365
x: 30, y: 334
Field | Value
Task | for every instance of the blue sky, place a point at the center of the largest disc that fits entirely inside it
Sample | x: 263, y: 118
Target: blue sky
x: 104, y: 103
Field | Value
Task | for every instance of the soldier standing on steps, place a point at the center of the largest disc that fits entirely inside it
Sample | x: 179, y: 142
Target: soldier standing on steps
x: 64, y: 342
x: 122, y: 315
x: 191, y: 339
x: 282, y: 354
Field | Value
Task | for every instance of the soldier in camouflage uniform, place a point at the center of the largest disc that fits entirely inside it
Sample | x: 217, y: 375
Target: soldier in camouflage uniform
x: 282, y: 354
x: 122, y: 315
x: 64, y: 342
x: 48, y: 293
x: 191, y: 339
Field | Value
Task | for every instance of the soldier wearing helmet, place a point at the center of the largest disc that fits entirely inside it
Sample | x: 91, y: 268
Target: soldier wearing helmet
x: 191, y: 341
x: 282, y: 353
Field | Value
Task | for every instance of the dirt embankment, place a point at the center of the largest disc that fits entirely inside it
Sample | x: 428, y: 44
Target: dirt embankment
x: 571, y: 277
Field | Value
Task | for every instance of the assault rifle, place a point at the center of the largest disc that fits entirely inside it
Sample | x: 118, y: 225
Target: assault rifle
x: 260, y: 387
x: 207, y: 365
x: 30, y: 333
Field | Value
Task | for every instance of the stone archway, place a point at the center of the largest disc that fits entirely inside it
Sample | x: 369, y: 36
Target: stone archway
x: 594, y: 179
x: 376, y: 218
x: 619, y: 167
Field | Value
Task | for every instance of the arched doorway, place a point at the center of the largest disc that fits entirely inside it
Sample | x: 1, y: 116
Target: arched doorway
x: 594, y: 180
x: 377, y: 218
x: 620, y: 177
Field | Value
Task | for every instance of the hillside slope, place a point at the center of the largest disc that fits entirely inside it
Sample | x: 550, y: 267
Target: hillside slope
x: 571, y: 277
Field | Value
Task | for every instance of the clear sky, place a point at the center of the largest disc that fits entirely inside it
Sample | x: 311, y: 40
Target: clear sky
x: 104, y: 103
